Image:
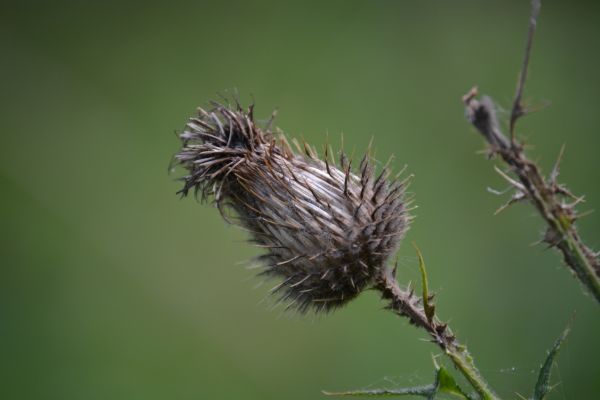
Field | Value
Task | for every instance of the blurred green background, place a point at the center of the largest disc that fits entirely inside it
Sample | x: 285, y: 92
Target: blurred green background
x: 114, y: 288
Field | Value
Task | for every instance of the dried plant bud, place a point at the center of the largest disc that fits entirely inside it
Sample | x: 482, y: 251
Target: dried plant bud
x: 327, y: 231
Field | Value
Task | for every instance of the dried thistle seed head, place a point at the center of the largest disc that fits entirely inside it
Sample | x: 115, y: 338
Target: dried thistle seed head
x: 326, y: 230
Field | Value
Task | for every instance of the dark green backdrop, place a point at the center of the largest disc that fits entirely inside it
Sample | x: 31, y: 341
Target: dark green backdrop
x: 113, y: 288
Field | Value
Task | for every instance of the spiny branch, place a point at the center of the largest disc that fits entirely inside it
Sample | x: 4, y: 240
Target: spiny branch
x: 444, y: 383
x: 547, y: 196
x: 404, y: 302
x: 517, y: 109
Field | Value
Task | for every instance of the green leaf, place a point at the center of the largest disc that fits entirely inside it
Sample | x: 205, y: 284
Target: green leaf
x: 447, y: 384
x: 425, y: 391
x: 444, y: 383
x: 427, y: 305
x: 542, y: 386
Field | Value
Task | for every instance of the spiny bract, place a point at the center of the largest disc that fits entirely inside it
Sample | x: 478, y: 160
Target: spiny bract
x: 327, y: 231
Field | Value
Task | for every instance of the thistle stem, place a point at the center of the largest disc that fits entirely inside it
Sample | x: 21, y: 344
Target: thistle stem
x: 464, y: 363
x: 544, y: 194
x: 405, y: 303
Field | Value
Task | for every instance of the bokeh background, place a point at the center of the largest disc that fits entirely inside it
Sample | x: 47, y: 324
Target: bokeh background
x: 114, y: 288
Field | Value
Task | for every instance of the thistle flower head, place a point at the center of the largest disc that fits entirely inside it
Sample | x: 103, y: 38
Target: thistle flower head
x: 327, y: 231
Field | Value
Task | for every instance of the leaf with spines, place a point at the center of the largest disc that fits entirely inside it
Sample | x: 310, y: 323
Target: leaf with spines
x: 447, y: 384
x: 542, y: 386
x: 426, y: 391
x: 444, y: 383
x: 427, y: 304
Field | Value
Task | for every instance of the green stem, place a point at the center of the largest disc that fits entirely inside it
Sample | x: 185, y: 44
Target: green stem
x: 464, y: 363
x: 403, y: 302
x: 546, y: 195
x: 424, y: 391
x: 575, y: 256
x: 559, y: 217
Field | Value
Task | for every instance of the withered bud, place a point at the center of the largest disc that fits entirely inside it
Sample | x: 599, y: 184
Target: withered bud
x: 327, y: 231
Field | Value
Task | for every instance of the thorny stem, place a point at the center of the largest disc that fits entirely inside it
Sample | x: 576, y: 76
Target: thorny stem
x: 546, y: 195
x: 543, y: 194
x: 517, y: 108
x: 403, y: 302
x: 425, y: 391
